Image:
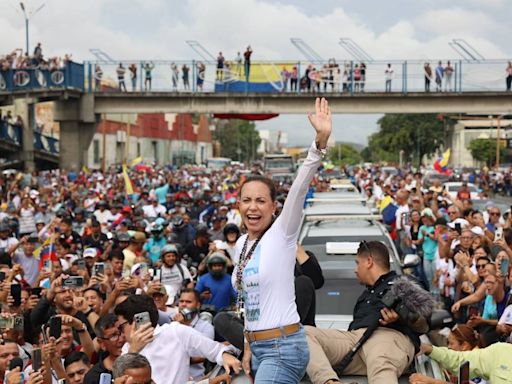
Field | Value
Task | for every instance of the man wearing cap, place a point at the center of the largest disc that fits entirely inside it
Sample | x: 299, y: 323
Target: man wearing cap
x: 233, y: 214
x: 102, y: 214
x: 216, y: 232
x: 25, y: 257
x: 7, y: 243
x: 133, y: 251
x: 154, y: 209
x: 173, y: 274
x: 428, y: 241
x: 43, y: 216
x: 96, y: 239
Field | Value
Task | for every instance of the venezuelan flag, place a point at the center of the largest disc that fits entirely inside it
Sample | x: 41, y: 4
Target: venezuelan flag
x: 263, y: 77
x: 441, y: 164
x: 127, y: 182
x: 47, y: 254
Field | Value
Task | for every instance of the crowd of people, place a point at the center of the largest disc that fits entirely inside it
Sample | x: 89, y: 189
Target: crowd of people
x: 201, y: 267
x: 18, y: 59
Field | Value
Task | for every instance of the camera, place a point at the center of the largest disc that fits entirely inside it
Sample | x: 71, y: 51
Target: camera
x: 395, y: 303
x: 73, y: 282
x: 188, y: 314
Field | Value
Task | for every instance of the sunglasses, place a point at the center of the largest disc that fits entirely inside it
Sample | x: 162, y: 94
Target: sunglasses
x: 481, y: 266
x: 364, y: 244
x: 494, y: 213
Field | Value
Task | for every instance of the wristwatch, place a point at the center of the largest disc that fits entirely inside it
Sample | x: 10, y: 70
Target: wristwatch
x: 84, y: 328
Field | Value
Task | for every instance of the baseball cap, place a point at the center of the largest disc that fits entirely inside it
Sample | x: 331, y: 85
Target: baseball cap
x: 139, y: 237
x: 90, y: 252
x: 477, y: 231
x: 463, y: 223
x: 428, y: 212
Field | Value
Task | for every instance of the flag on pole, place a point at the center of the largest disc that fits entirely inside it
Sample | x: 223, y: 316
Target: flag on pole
x: 37, y: 251
x: 127, y: 182
x: 441, y: 164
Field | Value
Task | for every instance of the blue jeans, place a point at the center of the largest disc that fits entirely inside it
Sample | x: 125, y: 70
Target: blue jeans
x: 282, y: 360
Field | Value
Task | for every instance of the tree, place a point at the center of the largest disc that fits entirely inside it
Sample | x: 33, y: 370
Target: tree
x: 344, y: 154
x: 417, y: 135
x: 239, y: 139
x: 485, y: 150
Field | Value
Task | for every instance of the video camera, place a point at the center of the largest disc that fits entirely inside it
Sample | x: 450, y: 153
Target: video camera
x: 391, y: 301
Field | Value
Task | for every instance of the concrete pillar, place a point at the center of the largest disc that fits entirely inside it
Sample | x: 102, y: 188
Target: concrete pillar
x: 75, y: 139
x: 26, y: 109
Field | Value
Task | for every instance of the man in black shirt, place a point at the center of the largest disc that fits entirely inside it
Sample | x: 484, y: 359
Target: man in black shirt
x: 96, y: 239
x: 199, y: 247
x: 390, y: 349
x: 111, y: 341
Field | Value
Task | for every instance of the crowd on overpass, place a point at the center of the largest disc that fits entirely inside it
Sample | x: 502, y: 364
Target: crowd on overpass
x: 18, y: 59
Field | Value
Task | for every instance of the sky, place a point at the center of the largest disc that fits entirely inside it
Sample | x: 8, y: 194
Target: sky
x: 158, y: 29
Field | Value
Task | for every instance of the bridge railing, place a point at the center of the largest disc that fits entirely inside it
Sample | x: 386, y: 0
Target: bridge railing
x: 275, y: 76
x: 46, y: 143
x: 71, y: 76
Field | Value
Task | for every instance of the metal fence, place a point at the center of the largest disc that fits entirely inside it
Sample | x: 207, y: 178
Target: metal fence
x: 193, y: 76
x: 274, y: 76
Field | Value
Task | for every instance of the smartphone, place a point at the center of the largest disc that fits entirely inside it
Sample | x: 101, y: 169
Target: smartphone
x: 18, y: 323
x: 37, y: 291
x: 464, y: 373
x: 80, y: 263
x: 157, y: 275
x: 505, y: 263
x: 45, y: 335
x: 105, y: 378
x: 6, y: 322
x: 36, y: 359
x: 458, y: 228
x: 498, y: 233
x: 99, y: 269
x: 141, y: 318
x: 16, y: 294
x: 55, y: 327
x: 73, y: 282
x: 2, y: 276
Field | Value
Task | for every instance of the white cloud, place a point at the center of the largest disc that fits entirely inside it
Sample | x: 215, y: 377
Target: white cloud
x: 158, y: 29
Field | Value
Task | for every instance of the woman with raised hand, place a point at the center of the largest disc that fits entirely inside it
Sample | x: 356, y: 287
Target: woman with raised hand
x: 275, y: 347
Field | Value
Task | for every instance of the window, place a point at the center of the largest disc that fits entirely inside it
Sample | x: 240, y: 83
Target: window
x: 154, y: 146
x: 96, y: 151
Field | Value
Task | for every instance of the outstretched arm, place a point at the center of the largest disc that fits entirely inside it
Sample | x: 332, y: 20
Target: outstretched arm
x: 292, y: 209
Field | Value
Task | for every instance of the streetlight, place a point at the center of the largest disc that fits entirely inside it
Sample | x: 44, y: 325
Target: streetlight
x: 27, y: 19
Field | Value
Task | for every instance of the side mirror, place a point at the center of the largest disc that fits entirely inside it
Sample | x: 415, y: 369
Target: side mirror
x: 411, y: 261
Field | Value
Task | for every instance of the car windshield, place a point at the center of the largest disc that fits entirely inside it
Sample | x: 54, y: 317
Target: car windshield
x: 278, y: 163
x: 457, y: 188
x: 341, y: 289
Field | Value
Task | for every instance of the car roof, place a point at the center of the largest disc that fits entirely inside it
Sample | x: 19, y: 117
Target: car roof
x: 344, y: 228
x: 336, y: 209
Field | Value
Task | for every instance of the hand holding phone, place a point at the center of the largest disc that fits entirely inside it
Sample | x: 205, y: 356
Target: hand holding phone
x: 141, y: 318
x: 464, y: 373
x: 55, y: 327
x: 16, y: 294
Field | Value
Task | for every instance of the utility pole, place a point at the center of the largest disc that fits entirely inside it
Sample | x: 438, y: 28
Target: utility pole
x: 27, y: 17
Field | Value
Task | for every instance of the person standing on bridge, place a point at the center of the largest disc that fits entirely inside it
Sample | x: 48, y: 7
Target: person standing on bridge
x: 148, y: 68
x: 220, y: 67
x: 428, y: 76
x: 448, y: 73
x: 201, y: 68
x: 388, y: 75
x: 238, y: 61
x: 184, y: 75
x: 175, y: 76
x: 98, y: 75
x: 439, y: 77
x: 133, y: 76
x: 247, y: 62
x: 120, y: 77
x: 509, y: 76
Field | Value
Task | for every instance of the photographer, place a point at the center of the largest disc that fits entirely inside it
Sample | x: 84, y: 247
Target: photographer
x: 189, y: 305
x: 391, y: 347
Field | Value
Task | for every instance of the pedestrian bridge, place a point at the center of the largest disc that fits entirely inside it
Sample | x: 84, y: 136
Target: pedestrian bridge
x: 84, y: 91
x: 192, y: 86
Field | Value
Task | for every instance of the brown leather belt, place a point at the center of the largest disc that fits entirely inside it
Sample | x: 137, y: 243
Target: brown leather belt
x: 273, y: 333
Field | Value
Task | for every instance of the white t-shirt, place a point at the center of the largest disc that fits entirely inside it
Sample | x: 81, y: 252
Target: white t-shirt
x: 8, y: 243
x: 152, y: 211
x: 172, y: 278
x: 268, y: 278
x: 398, y: 215
x: 103, y: 217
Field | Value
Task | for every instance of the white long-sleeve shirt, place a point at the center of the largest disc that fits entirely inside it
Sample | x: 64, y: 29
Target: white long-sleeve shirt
x: 268, y: 278
x: 170, y: 352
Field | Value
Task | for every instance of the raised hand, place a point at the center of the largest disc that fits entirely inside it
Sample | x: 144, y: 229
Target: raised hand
x: 322, y: 122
